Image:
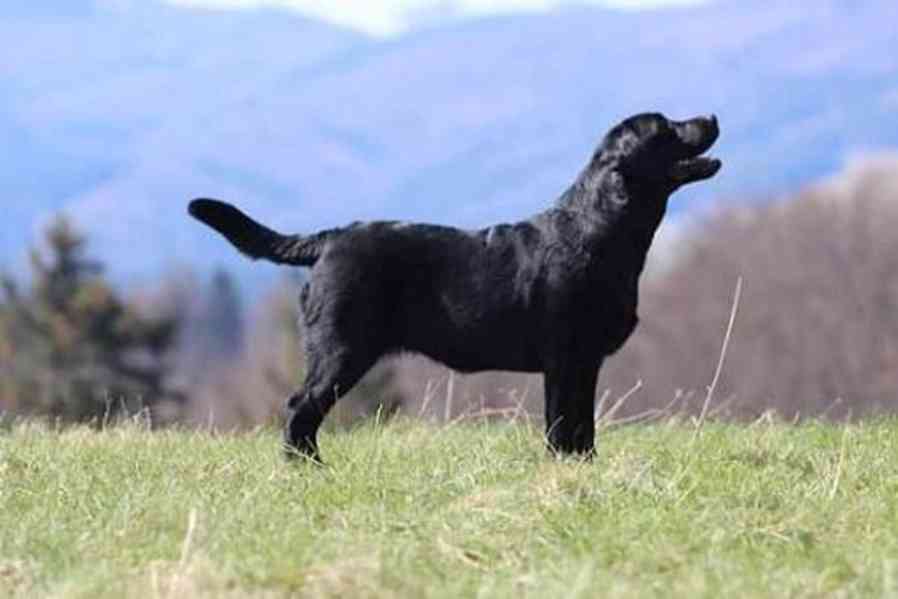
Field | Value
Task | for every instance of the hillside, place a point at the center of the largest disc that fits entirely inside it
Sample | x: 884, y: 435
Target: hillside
x: 121, y: 112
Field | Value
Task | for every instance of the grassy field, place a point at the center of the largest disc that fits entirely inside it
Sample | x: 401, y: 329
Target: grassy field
x: 477, y: 510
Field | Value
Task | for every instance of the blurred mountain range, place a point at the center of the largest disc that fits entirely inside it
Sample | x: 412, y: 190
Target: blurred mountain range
x: 119, y: 112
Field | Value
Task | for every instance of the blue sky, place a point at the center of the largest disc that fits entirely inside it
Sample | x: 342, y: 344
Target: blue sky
x: 394, y: 16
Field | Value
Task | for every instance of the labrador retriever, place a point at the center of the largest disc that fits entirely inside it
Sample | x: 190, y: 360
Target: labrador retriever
x: 556, y: 293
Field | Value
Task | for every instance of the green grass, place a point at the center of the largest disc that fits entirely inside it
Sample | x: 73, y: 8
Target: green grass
x: 479, y: 510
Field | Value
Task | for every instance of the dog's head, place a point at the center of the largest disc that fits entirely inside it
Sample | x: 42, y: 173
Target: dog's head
x: 651, y: 150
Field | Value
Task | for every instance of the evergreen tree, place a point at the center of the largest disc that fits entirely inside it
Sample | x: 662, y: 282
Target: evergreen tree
x: 226, y: 313
x: 70, y: 348
x: 223, y: 318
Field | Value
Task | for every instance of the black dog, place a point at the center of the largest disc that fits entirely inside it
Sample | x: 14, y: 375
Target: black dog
x: 554, y: 294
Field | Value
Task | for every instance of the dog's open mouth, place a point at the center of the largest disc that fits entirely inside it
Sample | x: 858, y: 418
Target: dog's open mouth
x: 695, y: 169
x: 697, y: 136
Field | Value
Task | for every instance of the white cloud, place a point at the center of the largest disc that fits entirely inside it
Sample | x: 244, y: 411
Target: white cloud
x: 394, y: 16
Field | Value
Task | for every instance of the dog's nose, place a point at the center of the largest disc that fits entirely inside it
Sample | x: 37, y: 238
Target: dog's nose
x: 699, y: 132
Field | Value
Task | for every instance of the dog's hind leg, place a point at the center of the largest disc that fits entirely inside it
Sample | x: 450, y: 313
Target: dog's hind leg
x: 327, y: 380
x: 345, y: 333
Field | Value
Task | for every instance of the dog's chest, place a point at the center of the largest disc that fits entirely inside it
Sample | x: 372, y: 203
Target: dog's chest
x: 610, y: 307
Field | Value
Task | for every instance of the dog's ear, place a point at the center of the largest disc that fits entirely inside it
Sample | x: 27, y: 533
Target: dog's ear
x: 621, y: 149
x: 614, y: 187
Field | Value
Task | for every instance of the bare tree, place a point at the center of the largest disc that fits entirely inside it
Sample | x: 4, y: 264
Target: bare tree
x: 818, y: 325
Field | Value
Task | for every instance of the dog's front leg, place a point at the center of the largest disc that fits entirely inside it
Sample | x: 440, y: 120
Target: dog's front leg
x: 570, y: 399
x: 560, y: 385
x: 584, y: 425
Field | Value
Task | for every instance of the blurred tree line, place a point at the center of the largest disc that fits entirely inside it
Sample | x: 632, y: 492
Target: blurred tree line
x: 816, y: 333
x: 71, y: 348
x: 74, y: 350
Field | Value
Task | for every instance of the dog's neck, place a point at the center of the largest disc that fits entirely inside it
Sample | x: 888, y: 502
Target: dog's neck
x: 611, y: 204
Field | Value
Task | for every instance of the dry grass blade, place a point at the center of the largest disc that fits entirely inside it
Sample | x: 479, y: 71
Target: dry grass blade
x: 650, y: 415
x: 605, y: 420
x: 188, y: 538
x: 737, y: 294
x: 837, y: 478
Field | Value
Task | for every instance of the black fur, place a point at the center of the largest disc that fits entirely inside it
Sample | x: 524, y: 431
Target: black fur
x: 555, y: 294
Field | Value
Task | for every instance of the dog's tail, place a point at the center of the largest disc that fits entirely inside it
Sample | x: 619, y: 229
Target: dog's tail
x: 256, y: 240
